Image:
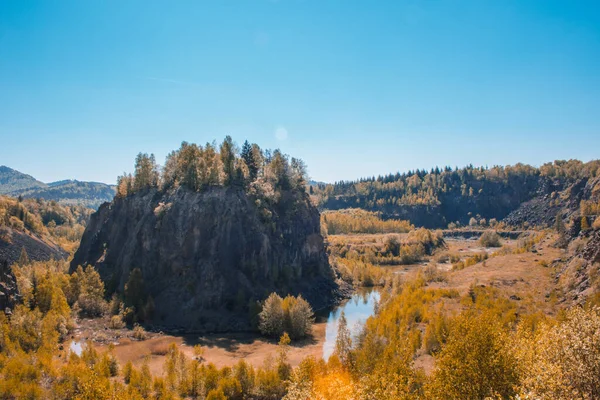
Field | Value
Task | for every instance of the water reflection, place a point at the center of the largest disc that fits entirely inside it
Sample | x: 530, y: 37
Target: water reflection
x: 357, y: 309
x: 76, y: 347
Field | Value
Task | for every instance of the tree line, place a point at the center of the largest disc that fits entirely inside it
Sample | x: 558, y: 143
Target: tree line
x: 198, y: 167
x: 476, y: 188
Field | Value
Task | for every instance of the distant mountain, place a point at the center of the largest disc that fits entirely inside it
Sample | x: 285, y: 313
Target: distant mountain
x: 12, y: 180
x: 72, y: 192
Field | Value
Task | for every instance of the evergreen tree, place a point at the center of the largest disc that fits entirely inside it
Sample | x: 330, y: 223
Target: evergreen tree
x: 146, y: 172
x: 251, y: 155
x: 189, y: 168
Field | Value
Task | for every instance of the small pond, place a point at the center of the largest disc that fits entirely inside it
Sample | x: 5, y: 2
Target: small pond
x: 357, y: 309
x: 76, y: 347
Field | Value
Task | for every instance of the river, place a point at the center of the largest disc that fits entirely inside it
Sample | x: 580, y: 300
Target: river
x: 357, y: 309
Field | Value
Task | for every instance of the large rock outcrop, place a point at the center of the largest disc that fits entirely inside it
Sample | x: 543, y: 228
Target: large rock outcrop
x: 205, y: 256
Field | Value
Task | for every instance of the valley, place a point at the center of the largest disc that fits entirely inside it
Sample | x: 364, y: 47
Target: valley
x: 299, y: 200
x: 216, y: 276
x: 524, y: 278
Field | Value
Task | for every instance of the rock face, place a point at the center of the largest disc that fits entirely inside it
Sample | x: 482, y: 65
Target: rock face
x: 579, y: 272
x: 205, y: 256
x: 552, y: 197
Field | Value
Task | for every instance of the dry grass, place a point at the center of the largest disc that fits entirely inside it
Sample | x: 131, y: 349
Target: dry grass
x: 159, y: 348
x: 523, y: 274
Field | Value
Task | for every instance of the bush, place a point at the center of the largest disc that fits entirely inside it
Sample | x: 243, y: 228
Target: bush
x: 472, y: 260
x: 431, y: 273
x: 562, y: 361
x: 159, y: 349
x: 490, y: 239
x: 116, y: 322
x: 445, y: 257
x: 301, y: 317
x: 577, y: 245
x: 292, y: 314
x: 139, y: 333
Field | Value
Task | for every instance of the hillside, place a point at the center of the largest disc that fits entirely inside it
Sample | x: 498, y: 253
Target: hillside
x: 35, y: 230
x: 12, y: 180
x: 209, y: 237
x: 70, y: 192
x: 44, y: 229
x: 520, y: 193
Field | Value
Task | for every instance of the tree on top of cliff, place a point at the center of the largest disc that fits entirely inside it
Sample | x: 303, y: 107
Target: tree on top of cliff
x: 199, y: 167
x: 146, y: 171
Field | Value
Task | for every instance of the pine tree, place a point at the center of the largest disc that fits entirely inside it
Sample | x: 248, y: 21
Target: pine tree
x: 248, y: 158
x: 146, y: 171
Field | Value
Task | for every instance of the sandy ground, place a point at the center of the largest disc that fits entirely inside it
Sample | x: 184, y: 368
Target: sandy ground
x: 520, y: 275
x: 224, y: 349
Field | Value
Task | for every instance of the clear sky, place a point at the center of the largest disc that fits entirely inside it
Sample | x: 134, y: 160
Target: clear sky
x: 355, y: 88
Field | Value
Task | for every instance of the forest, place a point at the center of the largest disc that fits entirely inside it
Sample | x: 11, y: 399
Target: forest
x: 447, y: 195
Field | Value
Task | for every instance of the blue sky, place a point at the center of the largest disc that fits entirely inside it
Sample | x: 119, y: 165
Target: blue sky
x: 355, y: 88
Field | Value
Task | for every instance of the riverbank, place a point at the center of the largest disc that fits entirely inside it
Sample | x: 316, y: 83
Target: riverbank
x: 226, y: 349
x: 221, y: 349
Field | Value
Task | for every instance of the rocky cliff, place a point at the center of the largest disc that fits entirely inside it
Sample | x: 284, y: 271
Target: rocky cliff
x: 205, y: 256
